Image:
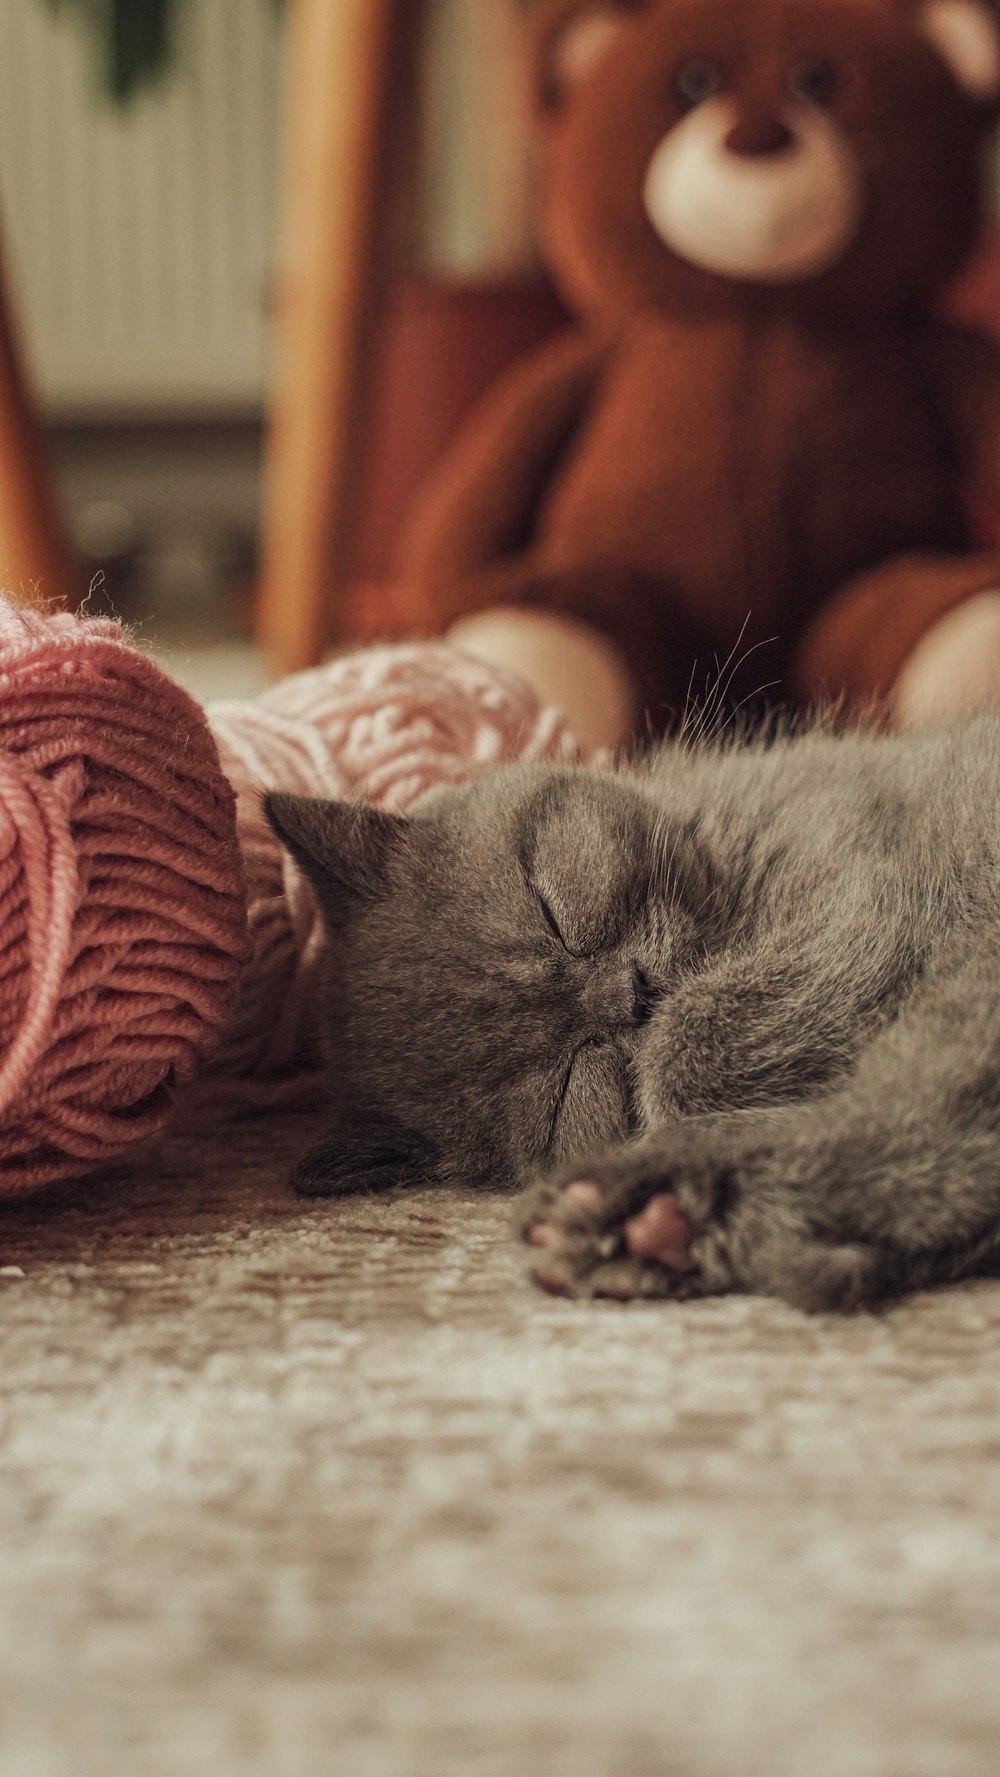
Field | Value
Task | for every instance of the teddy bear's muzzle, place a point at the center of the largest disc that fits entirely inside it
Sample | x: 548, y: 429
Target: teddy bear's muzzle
x: 756, y: 197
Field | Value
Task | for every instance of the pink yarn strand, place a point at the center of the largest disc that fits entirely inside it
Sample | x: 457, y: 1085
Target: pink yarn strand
x: 122, y: 908
x: 50, y: 869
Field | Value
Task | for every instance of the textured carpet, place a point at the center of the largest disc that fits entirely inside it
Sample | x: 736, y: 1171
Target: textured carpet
x: 299, y: 1490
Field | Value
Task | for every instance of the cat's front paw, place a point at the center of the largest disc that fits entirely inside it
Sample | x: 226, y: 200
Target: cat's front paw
x: 624, y: 1226
x: 704, y: 1207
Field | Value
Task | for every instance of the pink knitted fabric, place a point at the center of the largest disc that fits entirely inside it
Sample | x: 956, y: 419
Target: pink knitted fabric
x: 122, y: 920
x: 384, y: 724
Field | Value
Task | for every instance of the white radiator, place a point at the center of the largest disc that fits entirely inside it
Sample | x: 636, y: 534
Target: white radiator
x: 139, y: 242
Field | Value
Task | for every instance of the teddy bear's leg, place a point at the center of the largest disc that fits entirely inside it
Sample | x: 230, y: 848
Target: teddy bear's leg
x: 918, y: 636
x: 566, y: 662
x: 610, y: 645
x: 956, y: 667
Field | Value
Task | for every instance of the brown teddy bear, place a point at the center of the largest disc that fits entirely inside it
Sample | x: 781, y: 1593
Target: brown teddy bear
x: 760, y: 427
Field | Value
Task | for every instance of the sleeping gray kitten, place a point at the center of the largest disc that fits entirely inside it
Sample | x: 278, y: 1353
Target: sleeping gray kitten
x: 734, y: 1010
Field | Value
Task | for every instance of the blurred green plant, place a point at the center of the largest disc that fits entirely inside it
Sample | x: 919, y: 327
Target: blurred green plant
x: 133, y: 40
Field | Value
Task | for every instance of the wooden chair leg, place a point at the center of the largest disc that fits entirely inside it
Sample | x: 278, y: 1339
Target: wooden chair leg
x: 35, y: 563
x: 344, y: 102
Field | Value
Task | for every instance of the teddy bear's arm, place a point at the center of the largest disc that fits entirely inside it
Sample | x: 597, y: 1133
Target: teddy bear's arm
x: 479, y: 509
x: 865, y: 641
x: 964, y: 368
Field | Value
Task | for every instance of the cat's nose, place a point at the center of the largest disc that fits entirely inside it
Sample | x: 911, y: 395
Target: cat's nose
x: 644, y: 995
x: 616, y: 995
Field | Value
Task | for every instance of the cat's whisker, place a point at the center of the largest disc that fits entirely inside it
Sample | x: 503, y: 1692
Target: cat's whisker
x: 721, y: 718
x: 704, y: 721
x: 731, y: 718
x: 690, y: 708
x: 715, y: 692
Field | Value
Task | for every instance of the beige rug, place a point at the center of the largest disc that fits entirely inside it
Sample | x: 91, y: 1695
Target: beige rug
x: 317, y: 1490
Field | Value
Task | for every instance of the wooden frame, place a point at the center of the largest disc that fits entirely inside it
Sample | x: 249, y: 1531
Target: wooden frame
x: 35, y: 562
x: 347, y: 109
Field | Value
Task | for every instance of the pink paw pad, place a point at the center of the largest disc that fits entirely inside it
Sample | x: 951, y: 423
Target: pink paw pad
x: 545, y: 1234
x: 582, y: 1194
x: 661, y: 1231
x: 552, y: 1281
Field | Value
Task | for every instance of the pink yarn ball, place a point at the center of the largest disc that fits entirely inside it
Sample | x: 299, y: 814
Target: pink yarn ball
x: 382, y: 725
x: 122, y: 913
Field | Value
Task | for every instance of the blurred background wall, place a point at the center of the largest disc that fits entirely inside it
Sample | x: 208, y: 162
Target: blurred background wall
x: 139, y: 237
x: 140, y: 246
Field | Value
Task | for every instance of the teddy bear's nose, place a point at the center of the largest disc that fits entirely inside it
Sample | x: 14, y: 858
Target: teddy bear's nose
x: 757, y: 132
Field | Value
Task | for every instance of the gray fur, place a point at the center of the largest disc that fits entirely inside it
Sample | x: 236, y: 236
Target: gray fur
x: 763, y: 977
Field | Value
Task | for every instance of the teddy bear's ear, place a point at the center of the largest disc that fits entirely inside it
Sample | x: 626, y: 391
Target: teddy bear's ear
x: 570, y: 38
x: 966, y: 35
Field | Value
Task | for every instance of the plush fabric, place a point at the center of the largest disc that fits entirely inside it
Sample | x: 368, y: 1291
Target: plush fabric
x: 705, y: 452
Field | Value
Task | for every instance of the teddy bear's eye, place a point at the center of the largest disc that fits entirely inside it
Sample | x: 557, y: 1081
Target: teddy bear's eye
x: 696, y: 81
x: 813, y: 81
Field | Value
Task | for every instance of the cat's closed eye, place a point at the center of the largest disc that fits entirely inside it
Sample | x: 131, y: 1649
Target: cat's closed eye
x: 585, y: 865
x: 588, y: 919
x: 594, y: 1101
x: 550, y: 918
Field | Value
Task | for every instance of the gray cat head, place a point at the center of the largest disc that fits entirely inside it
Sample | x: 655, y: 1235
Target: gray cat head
x: 495, y: 957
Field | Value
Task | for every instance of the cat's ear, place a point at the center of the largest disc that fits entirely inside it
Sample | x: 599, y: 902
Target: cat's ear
x: 351, y: 1160
x: 343, y: 847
